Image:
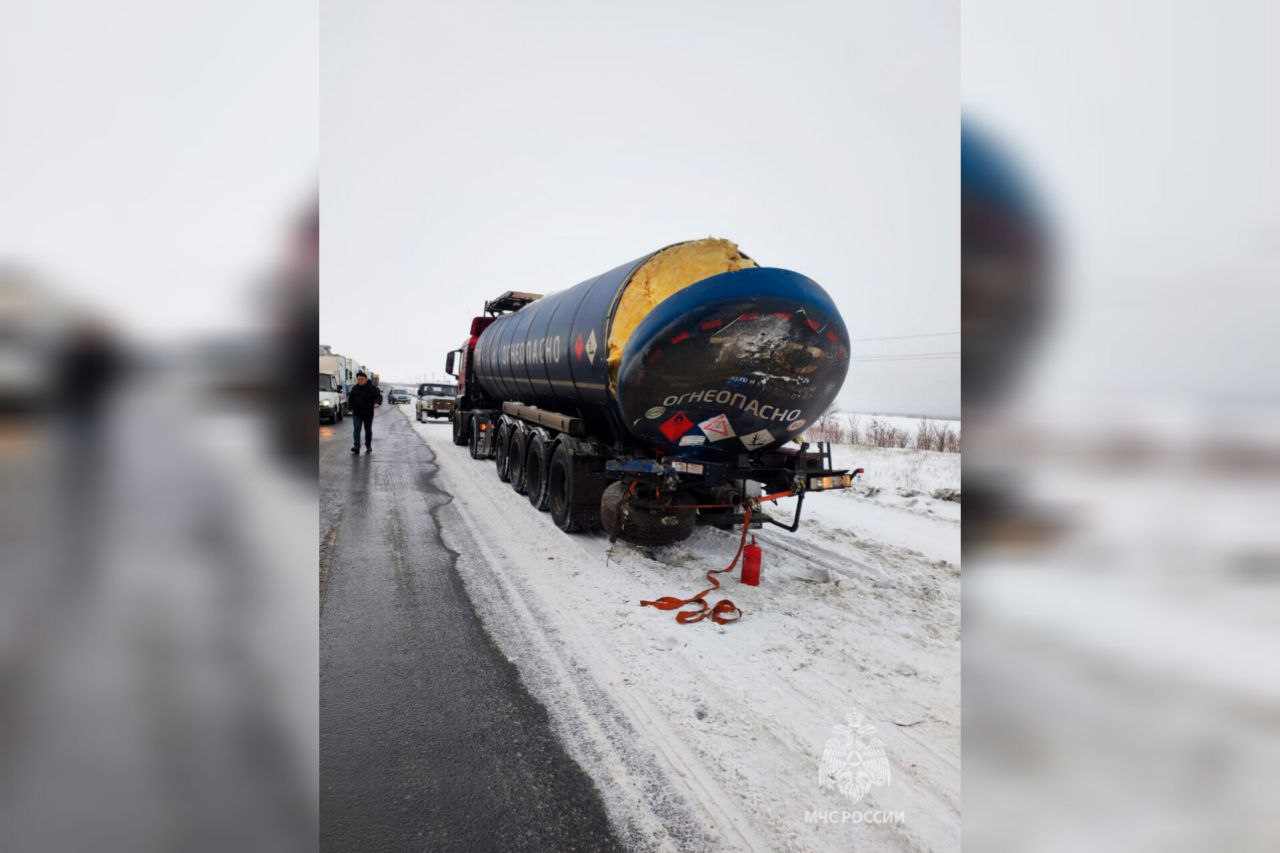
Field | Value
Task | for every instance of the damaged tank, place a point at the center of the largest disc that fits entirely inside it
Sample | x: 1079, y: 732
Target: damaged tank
x: 693, y: 351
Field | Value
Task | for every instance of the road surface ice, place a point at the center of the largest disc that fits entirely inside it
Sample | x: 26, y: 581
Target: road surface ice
x: 705, y: 736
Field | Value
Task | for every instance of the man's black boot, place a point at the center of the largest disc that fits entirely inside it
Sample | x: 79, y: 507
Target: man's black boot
x: 355, y: 449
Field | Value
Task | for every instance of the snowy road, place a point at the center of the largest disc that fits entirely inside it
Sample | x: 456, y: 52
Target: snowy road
x: 156, y: 615
x: 428, y: 741
x: 708, y: 737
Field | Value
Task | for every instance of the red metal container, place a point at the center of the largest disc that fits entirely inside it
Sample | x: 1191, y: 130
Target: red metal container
x: 751, y: 564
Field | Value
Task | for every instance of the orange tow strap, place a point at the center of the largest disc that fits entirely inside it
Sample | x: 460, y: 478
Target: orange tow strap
x: 720, y: 612
x: 723, y: 611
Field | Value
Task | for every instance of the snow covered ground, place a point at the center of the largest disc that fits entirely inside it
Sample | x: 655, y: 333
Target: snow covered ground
x: 708, y: 737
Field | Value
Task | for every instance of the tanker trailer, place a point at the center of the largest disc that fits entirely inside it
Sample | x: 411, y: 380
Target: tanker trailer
x: 669, y: 391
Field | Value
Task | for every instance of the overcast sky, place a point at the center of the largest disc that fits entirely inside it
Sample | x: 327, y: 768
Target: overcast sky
x: 1156, y: 160
x: 155, y: 152
x: 472, y: 148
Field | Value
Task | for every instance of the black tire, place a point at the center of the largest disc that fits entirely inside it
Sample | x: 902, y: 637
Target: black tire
x: 627, y: 521
x: 573, y: 492
x: 501, y: 457
x: 516, y: 446
x: 417, y: 415
x: 459, y: 429
x: 473, y: 439
x: 535, y: 472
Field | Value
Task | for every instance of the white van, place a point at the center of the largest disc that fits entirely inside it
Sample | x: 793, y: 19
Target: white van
x: 330, y: 401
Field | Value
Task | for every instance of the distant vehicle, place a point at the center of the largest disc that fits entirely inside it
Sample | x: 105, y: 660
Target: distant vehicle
x: 330, y: 402
x: 343, y: 369
x: 435, y: 400
x: 36, y: 323
x: 396, y: 395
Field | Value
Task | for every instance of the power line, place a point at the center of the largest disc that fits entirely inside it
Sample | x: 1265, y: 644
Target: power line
x: 903, y: 337
x: 907, y: 358
x: 921, y: 356
x: 911, y: 354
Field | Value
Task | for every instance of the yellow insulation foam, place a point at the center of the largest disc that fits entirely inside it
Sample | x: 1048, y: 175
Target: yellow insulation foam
x: 668, y: 272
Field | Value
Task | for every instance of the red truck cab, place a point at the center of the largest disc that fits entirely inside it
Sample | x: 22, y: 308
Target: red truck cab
x: 461, y: 368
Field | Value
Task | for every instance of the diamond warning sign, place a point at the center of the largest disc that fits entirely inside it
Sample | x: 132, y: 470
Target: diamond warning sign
x: 591, y: 347
x: 717, y: 428
x: 676, y: 426
x: 757, y: 439
x: 577, y: 347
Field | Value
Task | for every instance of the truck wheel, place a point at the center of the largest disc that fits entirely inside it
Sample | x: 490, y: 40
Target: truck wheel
x: 627, y: 521
x: 516, y: 446
x: 535, y: 472
x: 573, y: 492
x: 417, y: 415
x: 502, y: 457
x: 459, y: 429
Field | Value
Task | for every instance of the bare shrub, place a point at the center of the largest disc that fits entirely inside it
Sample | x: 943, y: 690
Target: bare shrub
x: 884, y: 434
x: 877, y: 433
x: 834, y: 427
x: 951, y: 444
x: 827, y: 428
x: 926, y: 432
x: 853, y: 430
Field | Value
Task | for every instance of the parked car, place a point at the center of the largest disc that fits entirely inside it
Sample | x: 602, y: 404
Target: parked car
x: 435, y: 400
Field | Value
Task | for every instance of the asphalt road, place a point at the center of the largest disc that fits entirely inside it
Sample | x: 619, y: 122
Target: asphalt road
x: 428, y: 739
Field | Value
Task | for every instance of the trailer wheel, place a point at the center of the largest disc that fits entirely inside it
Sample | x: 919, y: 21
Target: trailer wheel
x: 630, y: 523
x: 459, y: 429
x: 535, y: 472
x: 516, y: 446
x: 573, y: 492
x: 473, y: 440
x: 503, y: 456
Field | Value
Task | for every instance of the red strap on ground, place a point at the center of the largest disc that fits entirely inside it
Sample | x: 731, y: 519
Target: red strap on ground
x: 723, y: 611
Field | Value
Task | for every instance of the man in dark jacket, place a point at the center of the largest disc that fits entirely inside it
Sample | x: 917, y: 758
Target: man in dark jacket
x: 362, y: 400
